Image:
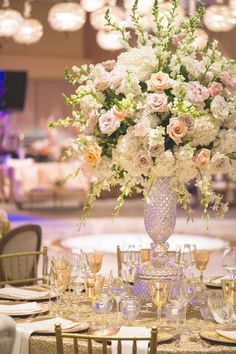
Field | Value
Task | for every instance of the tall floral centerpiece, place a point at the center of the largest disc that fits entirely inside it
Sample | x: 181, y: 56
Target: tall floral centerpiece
x: 160, y: 116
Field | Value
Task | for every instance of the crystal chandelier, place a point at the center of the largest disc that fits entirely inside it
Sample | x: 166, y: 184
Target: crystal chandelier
x: 219, y: 17
x: 10, y: 20
x: 31, y: 30
x: 66, y: 17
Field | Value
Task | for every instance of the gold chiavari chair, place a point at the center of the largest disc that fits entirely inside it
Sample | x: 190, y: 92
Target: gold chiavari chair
x: 104, y: 342
x: 19, y: 256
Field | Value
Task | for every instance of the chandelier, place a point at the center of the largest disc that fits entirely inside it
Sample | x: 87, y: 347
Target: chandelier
x: 70, y: 16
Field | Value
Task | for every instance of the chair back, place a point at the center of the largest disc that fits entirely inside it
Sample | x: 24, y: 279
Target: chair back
x: 7, y: 334
x: 19, y: 255
x: 104, y: 341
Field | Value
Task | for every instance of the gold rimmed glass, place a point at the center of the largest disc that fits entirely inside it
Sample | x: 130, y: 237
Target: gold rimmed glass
x: 160, y: 291
x: 201, y: 258
x: 145, y: 254
x: 94, y: 261
x: 229, y: 294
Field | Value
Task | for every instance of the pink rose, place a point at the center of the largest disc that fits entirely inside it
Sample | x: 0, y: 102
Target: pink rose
x: 228, y: 80
x: 116, y: 76
x: 196, y: 93
x: 109, y: 64
x: 91, y: 121
x: 214, y: 88
x: 143, y: 160
x: 159, y: 82
x: 157, y: 102
x: 119, y: 115
x: 176, y: 130
x: 203, y: 158
x: 188, y: 121
x: 108, y: 124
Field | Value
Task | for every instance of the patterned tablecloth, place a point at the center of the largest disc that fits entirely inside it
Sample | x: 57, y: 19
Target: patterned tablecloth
x: 189, y: 344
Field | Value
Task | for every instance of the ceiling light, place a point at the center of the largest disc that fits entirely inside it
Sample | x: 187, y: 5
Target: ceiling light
x: 66, y: 17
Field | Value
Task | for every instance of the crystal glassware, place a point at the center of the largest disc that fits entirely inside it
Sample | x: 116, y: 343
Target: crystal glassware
x: 118, y: 290
x: 130, y: 307
x: 229, y: 294
x: 94, y: 261
x: 160, y: 292
x: 229, y: 260
x: 185, y: 256
x: 201, y: 258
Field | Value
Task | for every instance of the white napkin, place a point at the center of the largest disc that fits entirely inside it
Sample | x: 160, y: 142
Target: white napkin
x: 24, y: 307
x: 142, y: 346
x: 227, y: 334
x: 23, y: 293
x: 24, y: 331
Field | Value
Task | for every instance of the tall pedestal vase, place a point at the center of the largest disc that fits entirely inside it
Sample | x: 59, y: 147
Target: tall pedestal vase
x: 159, y: 219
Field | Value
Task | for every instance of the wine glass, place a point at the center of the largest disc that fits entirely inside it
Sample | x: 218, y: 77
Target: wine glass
x: 229, y: 294
x: 118, y: 290
x: 145, y: 254
x: 76, y: 280
x: 160, y: 291
x: 131, y: 258
x: 229, y: 261
x: 94, y: 261
x: 185, y: 256
x: 201, y: 258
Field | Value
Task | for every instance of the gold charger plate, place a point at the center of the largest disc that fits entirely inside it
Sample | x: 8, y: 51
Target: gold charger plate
x: 162, y: 336
x: 41, y: 309
x: 75, y: 327
x: 210, y: 282
x: 210, y: 334
x: 37, y: 288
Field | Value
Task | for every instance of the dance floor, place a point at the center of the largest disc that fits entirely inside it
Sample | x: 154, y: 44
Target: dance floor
x: 101, y: 232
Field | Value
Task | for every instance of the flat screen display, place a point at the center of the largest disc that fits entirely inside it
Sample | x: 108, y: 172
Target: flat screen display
x: 12, y: 89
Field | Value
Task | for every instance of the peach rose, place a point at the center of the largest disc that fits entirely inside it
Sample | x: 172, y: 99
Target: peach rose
x: 159, y: 82
x: 143, y: 160
x: 119, y: 115
x: 92, y: 154
x: 101, y: 82
x: 176, y: 130
x: 109, y: 64
x: 214, y: 88
x: 203, y: 158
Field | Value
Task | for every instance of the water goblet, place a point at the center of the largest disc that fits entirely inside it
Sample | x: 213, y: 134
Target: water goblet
x: 118, y: 290
x: 201, y: 258
x: 229, y: 260
x: 94, y: 261
x: 160, y: 291
x: 185, y: 256
x: 130, y: 307
x: 229, y: 294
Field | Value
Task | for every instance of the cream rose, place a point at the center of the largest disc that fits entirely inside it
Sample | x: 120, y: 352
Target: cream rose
x: 92, y: 154
x: 220, y: 163
x: 219, y: 108
x: 227, y: 141
x: 101, y: 82
x: 176, y: 129
x: 203, y: 158
x: 156, y: 102
x: 143, y: 160
x: 108, y: 124
x: 228, y: 80
x: 159, y: 82
x: 119, y: 115
x: 196, y: 93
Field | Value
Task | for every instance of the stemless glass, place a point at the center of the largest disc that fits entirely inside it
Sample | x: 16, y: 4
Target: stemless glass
x: 201, y: 258
x: 229, y: 261
x: 160, y: 291
x: 229, y: 294
x: 94, y: 261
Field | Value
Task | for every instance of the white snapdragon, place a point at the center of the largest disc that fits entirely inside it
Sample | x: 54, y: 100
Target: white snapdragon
x: 129, y: 86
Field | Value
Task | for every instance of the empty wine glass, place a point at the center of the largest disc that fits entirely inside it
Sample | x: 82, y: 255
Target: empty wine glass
x: 229, y: 261
x: 201, y: 258
x: 118, y: 290
x: 131, y: 258
x: 185, y: 256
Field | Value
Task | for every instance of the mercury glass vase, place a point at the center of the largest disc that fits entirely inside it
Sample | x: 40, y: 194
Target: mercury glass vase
x: 159, y: 219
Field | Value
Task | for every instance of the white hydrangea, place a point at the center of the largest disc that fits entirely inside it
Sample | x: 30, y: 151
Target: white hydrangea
x: 164, y: 165
x: 194, y: 67
x: 129, y: 86
x: 204, y: 132
x: 139, y: 61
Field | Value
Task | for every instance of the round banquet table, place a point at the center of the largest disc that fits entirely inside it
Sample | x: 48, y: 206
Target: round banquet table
x: 46, y: 344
